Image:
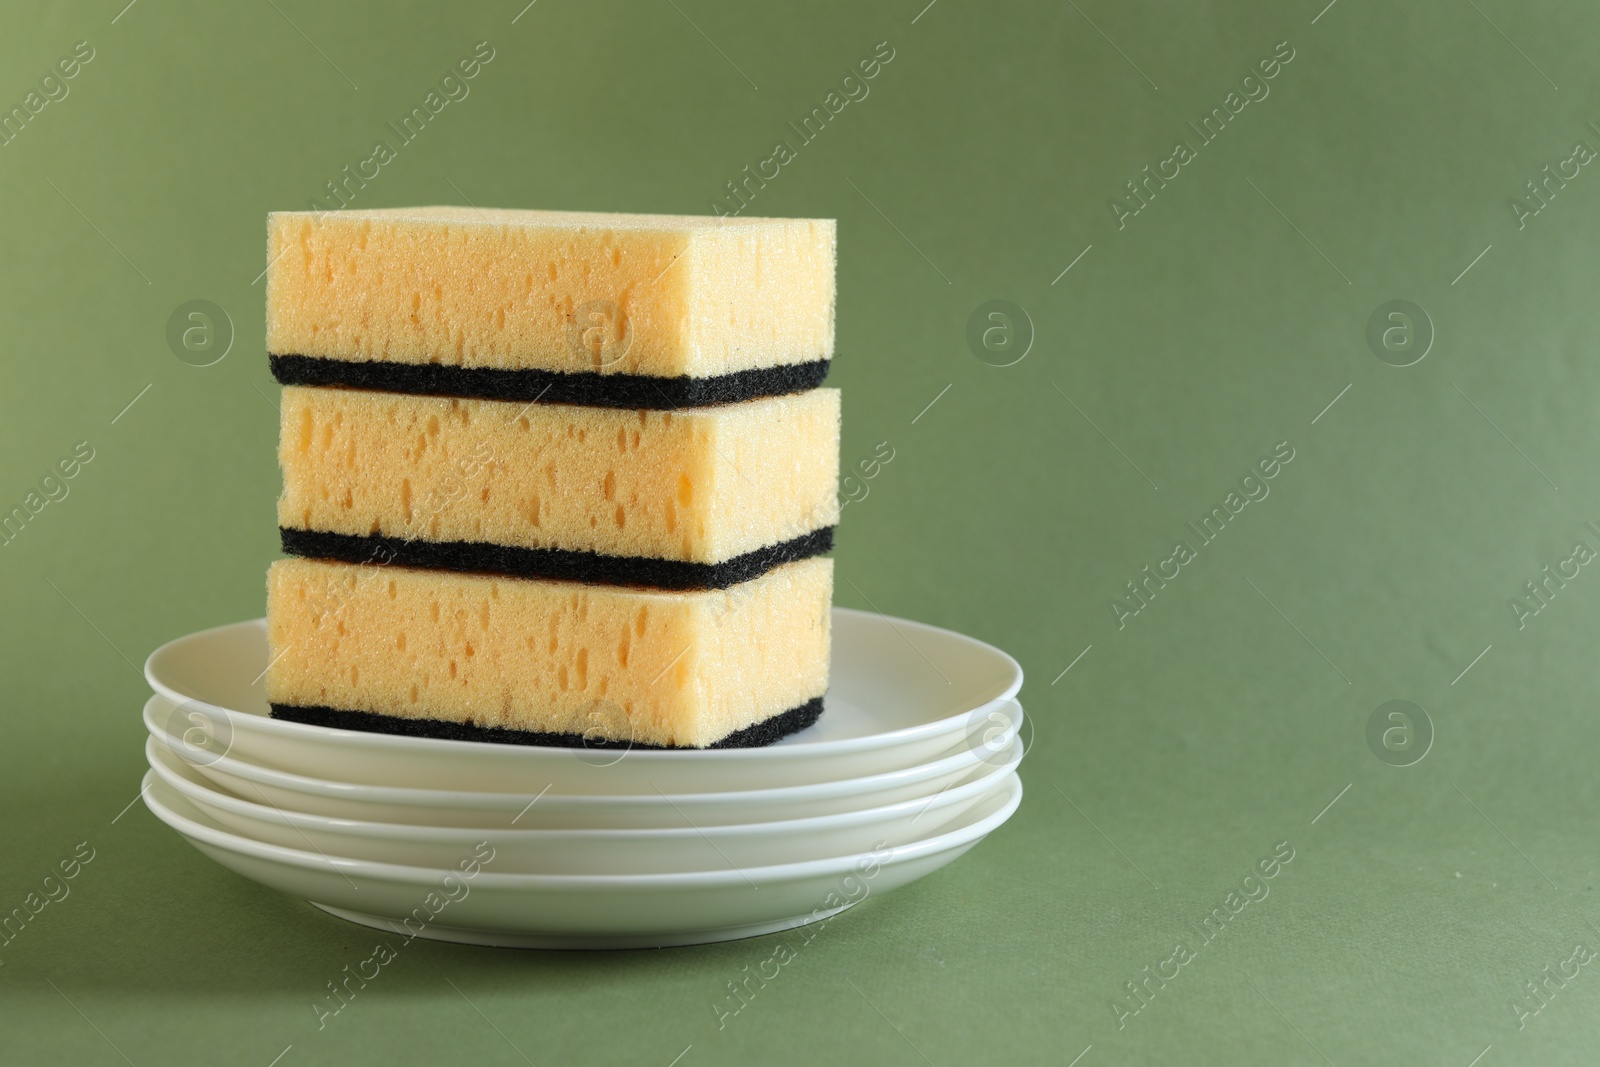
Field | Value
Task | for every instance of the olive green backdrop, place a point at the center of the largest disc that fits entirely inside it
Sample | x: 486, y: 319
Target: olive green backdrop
x: 1187, y: 341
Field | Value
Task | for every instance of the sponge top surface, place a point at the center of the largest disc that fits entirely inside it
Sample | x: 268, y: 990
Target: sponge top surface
x: 455, y: 214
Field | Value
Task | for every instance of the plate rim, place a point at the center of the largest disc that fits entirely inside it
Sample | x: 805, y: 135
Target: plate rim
x: 396, y: 873
x: 465, y: 799
x: 399, y: 831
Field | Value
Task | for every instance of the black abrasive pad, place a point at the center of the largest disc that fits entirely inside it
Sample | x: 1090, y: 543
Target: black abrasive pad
x: 756, y: 735
x: 551, y: 387
x: 556, y: 563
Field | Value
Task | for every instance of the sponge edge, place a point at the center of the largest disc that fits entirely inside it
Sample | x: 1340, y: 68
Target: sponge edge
x: 594, y: 663
x: 578, y: 292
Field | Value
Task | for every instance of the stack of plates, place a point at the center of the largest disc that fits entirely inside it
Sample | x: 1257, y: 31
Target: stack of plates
x: 912, y: 763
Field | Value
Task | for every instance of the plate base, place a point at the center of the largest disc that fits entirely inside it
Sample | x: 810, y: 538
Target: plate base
x: 514, y: 939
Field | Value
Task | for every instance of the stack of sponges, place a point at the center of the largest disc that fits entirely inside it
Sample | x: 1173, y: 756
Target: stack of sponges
x: 553, y: 477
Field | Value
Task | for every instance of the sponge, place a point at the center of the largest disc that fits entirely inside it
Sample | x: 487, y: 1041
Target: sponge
x: 703, y: 497
x: 412, y: 651
x: 624, y: 310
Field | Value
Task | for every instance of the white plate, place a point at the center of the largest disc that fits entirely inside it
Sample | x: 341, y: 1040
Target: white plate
x: 902, y: 693
x: 578, y: 911
x: 587, y: 851
x: 542, y: 808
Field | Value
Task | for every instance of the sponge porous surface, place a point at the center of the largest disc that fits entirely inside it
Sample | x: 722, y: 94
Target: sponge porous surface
x: 629, y: 665
x: 702, y: 485
x: 576, y: 292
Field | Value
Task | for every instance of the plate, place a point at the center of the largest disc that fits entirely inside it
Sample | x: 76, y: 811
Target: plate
x: 471, y: 902
x: 587, y: 851
x: 541, y: 807
x: 902, y: 693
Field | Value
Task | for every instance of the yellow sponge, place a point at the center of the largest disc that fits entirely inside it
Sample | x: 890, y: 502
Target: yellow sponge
x: 703, y: 485
x: 394, y: 648
x: 654, y: 295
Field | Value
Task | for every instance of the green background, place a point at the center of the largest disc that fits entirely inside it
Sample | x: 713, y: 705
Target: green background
x: 1179, y: 750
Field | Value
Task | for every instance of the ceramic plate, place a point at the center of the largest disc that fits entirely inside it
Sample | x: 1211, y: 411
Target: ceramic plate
x: 588, y: 851
x: 902, y: 693
x: 543, y: 808
x: 472, y: 902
